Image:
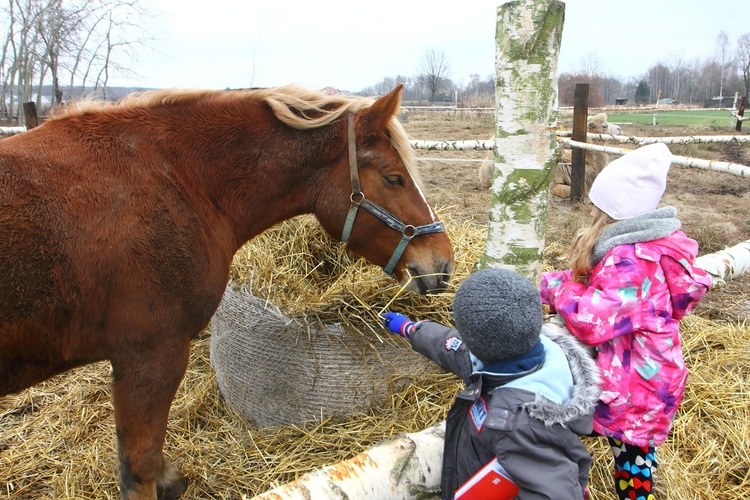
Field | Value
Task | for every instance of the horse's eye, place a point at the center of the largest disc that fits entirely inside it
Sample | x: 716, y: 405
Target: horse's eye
x: 394, y: 180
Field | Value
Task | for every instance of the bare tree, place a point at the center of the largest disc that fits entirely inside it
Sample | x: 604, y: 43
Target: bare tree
x: 434, y: 72
x: 478, y: 92
x: 722, y: 49
x: 58, y: 26
x: 611, y: 88
x: 117, y: 30
x: 659, y: 79
x: 385, y: 86
x: 693, y: 81
x: 20, y: 60
x: 743, y: 58
x: 589, y: 65
x: 7, y: 47
x: 67, y: 40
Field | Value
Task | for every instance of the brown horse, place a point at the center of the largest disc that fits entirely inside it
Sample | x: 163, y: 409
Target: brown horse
x: 118, y: 224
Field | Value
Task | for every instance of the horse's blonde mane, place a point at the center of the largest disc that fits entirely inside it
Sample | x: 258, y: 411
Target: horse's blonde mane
x: 303, y: 108
x: 295, y: 105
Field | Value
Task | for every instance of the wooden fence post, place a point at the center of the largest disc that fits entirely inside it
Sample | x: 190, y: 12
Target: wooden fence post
x: 580, y: 129
x: 740, y: 114
x: 527, y: 45
x: 29, y: 115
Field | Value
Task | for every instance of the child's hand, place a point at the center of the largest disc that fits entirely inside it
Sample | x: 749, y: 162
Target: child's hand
x: 398, y: 323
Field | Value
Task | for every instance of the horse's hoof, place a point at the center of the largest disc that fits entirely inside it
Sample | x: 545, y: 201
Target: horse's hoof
x: 172, y: 491
x: 172, y: 483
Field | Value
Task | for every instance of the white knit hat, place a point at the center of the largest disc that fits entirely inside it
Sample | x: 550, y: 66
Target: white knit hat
x: 633, y: 184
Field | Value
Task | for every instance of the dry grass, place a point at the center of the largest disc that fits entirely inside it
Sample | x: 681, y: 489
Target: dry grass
x: 57, y: 439
x: 295, y: 265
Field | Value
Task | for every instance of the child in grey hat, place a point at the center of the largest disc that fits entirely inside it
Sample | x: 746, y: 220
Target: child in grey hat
x: 530, y: 389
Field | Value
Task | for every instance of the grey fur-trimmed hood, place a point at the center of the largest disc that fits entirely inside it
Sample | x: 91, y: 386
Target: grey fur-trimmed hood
x: 577, y: 412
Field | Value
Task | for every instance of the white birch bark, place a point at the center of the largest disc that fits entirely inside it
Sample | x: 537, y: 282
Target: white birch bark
x: 726, y: 264
x: 11, y: 130
x: 403, y: 468
x: 719, y: 166
x: 641, y: 141
x: 527, y: 46
x: 689, y: 139
x: 452, y: 145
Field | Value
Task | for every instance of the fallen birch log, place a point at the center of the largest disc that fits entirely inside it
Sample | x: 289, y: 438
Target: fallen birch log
x: 487, y: 145
x: 405, y: 467
x: 690, y: 139
x: 719, y: 166
x: 726, y: 264
x: 451, y: 160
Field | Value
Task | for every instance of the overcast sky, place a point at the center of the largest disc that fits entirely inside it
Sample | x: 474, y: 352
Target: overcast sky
x: 351, y: 45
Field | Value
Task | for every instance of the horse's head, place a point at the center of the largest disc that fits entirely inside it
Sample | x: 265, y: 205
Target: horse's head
x: 387, y: 219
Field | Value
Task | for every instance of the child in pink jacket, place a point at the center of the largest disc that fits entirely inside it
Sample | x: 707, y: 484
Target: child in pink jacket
x: 631, y: 282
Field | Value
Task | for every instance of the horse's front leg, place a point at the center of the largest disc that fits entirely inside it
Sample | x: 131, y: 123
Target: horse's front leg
x: 144, y: 386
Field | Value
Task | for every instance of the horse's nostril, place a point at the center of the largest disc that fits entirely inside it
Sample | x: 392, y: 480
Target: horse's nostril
x: 447, y: 271
x: 444, y: 279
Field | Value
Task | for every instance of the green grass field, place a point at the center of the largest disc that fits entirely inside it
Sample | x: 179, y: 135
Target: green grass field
x: 717, y: 118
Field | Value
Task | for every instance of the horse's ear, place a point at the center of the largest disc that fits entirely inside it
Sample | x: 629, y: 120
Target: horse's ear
x: 375, y: 118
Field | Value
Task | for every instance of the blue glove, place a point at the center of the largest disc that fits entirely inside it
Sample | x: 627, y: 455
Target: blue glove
x: 399, y: 324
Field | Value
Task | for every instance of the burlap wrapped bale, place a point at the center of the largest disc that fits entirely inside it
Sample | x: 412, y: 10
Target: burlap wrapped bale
x: 273, y: 370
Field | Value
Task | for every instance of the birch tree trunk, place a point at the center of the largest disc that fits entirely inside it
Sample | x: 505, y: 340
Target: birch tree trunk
x: 527, y: 46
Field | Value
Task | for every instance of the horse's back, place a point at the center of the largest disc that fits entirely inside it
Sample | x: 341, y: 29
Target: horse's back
x: 95, y: 246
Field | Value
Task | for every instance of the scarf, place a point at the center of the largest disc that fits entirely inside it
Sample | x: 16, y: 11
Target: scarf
x: 646, y: 227
x: 523, y: 363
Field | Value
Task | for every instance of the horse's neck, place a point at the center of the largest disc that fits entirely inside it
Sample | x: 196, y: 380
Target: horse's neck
x: 255, y: 186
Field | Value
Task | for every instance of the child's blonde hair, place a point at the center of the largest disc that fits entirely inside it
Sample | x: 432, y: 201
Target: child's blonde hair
x: 583, y: 245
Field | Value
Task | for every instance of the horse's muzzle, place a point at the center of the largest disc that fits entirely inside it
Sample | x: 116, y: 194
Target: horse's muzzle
x: 430, y: 283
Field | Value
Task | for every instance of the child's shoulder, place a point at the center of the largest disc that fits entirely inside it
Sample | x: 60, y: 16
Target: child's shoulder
x: 621, y: 253
x: 677, y: 245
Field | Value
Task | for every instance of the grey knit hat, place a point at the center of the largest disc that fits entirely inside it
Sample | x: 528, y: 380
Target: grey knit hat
x: 498, y: 314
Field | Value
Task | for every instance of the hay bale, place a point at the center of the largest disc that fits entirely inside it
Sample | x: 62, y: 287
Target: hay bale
x: 274, y: 370
x: 298, y: 334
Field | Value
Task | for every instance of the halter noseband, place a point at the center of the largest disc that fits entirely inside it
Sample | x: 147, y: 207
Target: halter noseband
x: 357, y: 199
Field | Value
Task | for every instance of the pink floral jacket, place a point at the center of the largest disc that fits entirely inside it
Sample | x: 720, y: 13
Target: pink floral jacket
x: 630, y: 311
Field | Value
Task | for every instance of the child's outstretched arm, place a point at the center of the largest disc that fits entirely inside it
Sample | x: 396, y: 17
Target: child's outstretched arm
x: 436, y: 342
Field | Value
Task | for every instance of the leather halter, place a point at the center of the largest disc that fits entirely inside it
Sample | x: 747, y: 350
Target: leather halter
x: 358, y: 200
